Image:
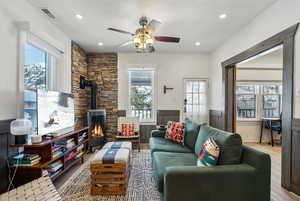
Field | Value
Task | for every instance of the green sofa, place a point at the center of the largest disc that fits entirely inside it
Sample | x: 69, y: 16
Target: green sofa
x: 242, y: 173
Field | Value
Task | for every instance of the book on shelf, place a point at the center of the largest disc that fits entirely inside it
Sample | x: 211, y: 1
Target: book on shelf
x: 71, y: 156
x: 71, y: 144
x: 25, y: 160
x: 57, y: 154
x: 53, y: 174
x: 25, y: 156
x: 78, y: 155
x: 25, y: 163
x: 56, y: 148
x: 53, y: 167
x: 82, y: 137
x: 45, y: 173
x: 80, y: 148
x: 71, y: 140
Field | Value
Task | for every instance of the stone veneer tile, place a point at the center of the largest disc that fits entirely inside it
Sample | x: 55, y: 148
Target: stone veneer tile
x: 79, y: 67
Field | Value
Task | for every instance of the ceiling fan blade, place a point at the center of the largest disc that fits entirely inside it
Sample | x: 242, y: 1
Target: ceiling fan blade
x: 126, y: 43
x: 167, y: 39
x: 120, y: 31
x: 153, y: 25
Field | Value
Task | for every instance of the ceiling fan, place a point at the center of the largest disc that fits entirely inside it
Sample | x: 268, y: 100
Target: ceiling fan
x: 143, y: 37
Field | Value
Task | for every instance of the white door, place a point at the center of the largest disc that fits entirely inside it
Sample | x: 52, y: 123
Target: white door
x: 195, y: 100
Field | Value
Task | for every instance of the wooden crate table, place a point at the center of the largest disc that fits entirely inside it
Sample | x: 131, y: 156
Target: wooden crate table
x: 110, y: 172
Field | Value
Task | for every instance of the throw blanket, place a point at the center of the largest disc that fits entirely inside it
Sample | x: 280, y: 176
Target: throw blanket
x: 118, y: 145
x: 111, y: 156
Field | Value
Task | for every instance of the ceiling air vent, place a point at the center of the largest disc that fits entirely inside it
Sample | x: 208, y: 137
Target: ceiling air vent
x: 48, y: 13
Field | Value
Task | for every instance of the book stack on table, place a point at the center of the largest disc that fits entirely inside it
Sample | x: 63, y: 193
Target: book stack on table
x: 25, y: 160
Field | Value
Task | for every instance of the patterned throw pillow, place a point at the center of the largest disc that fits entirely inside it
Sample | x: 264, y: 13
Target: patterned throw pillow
x: 175, y: 132
x: 209, y: 154
x: 127, y: 130
x: 168, y: 131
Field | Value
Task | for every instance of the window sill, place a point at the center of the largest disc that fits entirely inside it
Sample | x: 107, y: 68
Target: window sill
x: 248, y: 120
x: 147, y: 122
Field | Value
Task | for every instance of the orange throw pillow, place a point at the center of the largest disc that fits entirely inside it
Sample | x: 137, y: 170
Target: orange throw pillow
x: 127, y: 130
x: 175, y: 132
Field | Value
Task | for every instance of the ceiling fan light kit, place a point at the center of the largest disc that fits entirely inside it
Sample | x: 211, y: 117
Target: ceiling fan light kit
x: 143, y: 38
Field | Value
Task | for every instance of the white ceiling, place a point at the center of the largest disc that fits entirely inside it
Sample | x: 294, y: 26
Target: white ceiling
x: 192, y: 20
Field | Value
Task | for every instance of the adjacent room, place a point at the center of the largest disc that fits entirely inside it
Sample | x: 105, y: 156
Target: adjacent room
x: 149, y: 100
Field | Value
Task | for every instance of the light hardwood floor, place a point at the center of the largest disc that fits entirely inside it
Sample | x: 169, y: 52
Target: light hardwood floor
x: 277, y: 192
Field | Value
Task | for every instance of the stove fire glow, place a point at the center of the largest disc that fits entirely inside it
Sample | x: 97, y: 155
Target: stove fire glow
x: 97, y: 131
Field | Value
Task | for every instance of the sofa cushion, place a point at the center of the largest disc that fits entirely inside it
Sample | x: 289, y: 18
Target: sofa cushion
x: 230, y: 144
x: 162, y: 144
x: 191, y: 133
x: 161, y: 160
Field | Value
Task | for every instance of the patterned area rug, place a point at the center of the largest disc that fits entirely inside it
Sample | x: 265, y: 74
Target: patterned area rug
x: 141, y: 186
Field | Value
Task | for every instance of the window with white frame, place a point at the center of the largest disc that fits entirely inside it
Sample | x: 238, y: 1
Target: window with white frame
x: 246, y: 102
x: 40, y: 63
x: 39, y: 66
x: 141, y: 90
x: 272, y: 99
x: 256, y: 101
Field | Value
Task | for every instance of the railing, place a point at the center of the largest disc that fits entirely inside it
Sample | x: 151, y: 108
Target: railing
x: 142, y: 114
x: 271, y: 113
x: 246, y: 113
x: 251, y: 113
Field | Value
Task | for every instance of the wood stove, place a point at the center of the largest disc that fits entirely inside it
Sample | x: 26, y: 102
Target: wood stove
x: 96, y: 117
x: 96, y: 122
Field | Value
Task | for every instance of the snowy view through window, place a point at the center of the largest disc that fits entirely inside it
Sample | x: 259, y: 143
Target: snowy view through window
x: 37, y: 65
x: 35, y: 76
x: 141, y: 98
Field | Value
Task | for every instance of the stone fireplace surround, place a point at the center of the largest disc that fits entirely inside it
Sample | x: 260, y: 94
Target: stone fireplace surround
x: 103, y: 68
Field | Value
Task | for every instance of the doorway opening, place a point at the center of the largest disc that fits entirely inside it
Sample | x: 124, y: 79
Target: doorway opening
x: 258, y: 97
x: 289, y: 155
x: 258, y: 106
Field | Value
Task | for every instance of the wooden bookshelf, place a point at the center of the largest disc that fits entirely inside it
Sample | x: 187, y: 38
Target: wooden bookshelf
x: 26, y: 174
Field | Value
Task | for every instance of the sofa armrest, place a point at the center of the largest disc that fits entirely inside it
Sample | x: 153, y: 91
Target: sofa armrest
x: 226, y: 183
x: 262, y: 163
x: 158, y: 133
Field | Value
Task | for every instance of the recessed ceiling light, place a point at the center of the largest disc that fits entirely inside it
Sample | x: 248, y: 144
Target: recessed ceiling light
x: 79, y: 16
x: 100, y: 44
x: 197, y: 43
x: 222, y: 16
